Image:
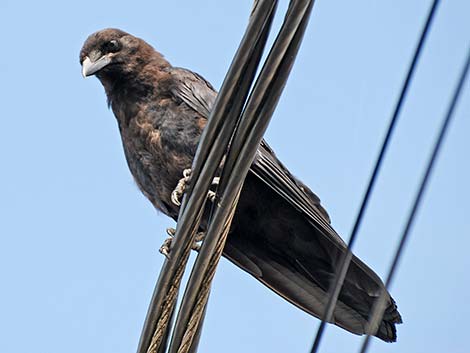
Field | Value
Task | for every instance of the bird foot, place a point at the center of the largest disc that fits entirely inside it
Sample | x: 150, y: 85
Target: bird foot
x: 181, y: 187
x: 166, y: 246
x: 198, y: 241
x: 211, y: 194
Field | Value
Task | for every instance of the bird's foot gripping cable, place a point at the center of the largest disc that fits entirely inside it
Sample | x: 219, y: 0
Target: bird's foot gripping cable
x: 165, y: 248
x: 181, y: 187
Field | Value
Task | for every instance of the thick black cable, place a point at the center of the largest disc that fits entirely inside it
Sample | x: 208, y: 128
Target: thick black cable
x: 378, y: 307
x: 346, y: 259
x: 214, y: 140
x: 190, y: 295
x: 252, y: 125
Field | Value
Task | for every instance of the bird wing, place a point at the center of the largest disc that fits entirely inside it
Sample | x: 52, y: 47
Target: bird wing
x: 305, y: 276
x: 194, y: 90
x: 199, y: 95
x: 272, y: 172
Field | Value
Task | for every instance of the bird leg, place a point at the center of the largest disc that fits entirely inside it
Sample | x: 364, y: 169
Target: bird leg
x: 181, y: 186
x: 166, y: 246
x: 175, y: 198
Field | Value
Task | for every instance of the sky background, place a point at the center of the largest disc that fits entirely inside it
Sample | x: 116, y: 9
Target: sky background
x: 79, y: 243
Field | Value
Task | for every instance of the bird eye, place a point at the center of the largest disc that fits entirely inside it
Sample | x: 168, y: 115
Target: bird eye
x: 113, y: 46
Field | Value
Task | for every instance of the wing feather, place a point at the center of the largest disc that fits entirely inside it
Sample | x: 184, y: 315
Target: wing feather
x: 199, y: 94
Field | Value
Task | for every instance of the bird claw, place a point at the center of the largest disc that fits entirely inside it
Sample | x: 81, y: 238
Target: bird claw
x: 180, y: 187
x: 198, y: 241
x: 166, y: 246
x: 211, y: 195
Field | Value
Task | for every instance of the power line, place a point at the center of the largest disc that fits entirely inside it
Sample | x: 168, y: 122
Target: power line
x: 213, y: 143
x: 339, y: 279
x: 377, y: 312
x: 239, y: 118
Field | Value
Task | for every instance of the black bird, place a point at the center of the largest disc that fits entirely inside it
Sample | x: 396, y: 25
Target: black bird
x: 280, y: 233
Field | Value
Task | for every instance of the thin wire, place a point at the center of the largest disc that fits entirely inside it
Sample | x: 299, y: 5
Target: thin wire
x: 346, y: 259
x: 376, y: 314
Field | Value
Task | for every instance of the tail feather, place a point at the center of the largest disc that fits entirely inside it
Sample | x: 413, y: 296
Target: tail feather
x: 298, y: 260
x: 387, y: 330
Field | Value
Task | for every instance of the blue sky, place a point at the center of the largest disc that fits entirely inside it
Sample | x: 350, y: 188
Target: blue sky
x: 79, y: 243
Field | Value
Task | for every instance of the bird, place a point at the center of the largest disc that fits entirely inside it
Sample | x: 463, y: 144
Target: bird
x: 280, y: 233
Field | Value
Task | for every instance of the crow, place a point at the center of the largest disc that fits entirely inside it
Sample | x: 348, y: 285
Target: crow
x: 280, y: 233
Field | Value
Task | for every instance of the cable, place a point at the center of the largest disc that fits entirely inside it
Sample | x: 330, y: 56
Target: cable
x: 378, y: 307
x: 213, y: 143
x: 341, y: 274
x: 250, y: 130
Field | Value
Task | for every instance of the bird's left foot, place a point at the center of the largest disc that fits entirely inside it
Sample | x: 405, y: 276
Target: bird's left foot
x: 181, y: 187
x: 166, y: 246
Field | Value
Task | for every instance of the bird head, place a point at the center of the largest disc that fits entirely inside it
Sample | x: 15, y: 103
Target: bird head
x: 112, y: 52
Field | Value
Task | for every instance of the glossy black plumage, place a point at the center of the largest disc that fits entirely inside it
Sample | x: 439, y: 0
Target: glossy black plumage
x: 280, y: 233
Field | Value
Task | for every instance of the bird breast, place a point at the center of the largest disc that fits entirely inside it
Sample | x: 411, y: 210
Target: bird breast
x: 158, y: 146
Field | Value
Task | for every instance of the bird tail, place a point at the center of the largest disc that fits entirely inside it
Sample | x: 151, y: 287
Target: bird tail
x: 298, y: 258
x: 387, y: 330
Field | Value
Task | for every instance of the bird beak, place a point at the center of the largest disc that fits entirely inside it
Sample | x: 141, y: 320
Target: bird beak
x: 90, y: 67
